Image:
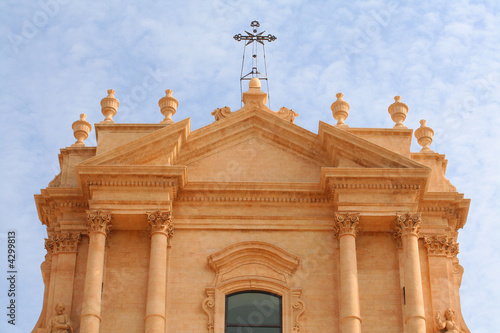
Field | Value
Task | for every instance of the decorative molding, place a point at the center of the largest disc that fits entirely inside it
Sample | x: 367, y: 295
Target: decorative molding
x: 161, y: 222
x: 168, y: 183
x: 346, y: 224
x: 407, y: 224
x: 441, y: 246
x: 208, y: 306
x: 99, y: 221
x: 256, y: 199
x: 298, y: 307
x: 62, y: 242
x: 377, y: 186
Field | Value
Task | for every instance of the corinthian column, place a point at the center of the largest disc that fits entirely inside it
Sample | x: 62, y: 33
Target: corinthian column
x: 408, y: 229
x: 162, y: 229
x: 346, y: 226
x: 98, y: 224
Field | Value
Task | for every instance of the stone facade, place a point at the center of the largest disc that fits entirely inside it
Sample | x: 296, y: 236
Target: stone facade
x: 152, y: 228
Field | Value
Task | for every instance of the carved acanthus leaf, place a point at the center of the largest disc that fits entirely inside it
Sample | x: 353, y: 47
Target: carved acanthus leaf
x: 62, y: 242
x: 407, y: 224
x: 346, y: 223
x: 99, y: 221
x: 441, y: 246
x: 161, y: 221
x: 221, y: 113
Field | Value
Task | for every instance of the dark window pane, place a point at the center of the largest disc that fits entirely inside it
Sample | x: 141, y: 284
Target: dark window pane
x: 252, y: 330
x: 254, y: 309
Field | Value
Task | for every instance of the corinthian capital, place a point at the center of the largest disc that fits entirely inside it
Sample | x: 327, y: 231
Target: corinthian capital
x: 98, y: 221
x: 161, y: 221
x: 441, y: 246
x: 346, y: 224
x: 407, y: 224
x: 62, y: 242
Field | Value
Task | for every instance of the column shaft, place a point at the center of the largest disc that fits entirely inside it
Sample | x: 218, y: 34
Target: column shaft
x: 408, y: 228
x: 155, y: 309
x: 350, y: 320
x: 90, y: 318
x: 346, y: 228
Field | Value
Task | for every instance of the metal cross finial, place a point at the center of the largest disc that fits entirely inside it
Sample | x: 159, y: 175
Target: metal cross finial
x: 255, y: 37
x: 249, y: 38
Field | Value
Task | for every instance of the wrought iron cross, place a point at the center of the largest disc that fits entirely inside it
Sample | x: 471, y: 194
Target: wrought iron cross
x: 255, y: 37
x: 249, y: 38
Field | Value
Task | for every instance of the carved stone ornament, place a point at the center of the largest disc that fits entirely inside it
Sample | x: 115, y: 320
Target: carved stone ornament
x: 299, y: 307
x: 62, y: 242
x: 221, y: 113
x: 449, y: 324
x: 161, y: 221
x: 398, y: 111
x: 81, y: 130
x: 60, y: 323
x: 168, y: 106
x: 441, y: 246
x: 208, y: 306
x: 346, y: 224
x: 109, y: 107
x: 407, y: 224
x: 340, y: 110
x: 99, y: 221
x: 287, y: 114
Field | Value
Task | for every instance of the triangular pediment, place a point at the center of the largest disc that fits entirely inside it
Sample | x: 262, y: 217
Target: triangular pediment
x: 251, y: 139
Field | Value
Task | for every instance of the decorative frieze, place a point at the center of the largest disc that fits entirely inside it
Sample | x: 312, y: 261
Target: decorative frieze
x: 381, y: 186
x: 346, y: 223
x: 99, y: 221
x: 256, y: 199
x: 441, y: 246
x: 62, y: 242
x: 407, y: 224
x: 161, y: 221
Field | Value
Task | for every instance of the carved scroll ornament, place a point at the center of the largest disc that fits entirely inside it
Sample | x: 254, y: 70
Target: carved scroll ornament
x: 441, y: 246
x: 99, y: 221
x: 407, y: 224
x: 161, y: 221
x: 208, y: 306
x: 62, y: 242
x: 346, y: 224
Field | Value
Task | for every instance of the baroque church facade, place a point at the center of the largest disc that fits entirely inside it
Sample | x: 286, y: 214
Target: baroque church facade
x: 251, y: 224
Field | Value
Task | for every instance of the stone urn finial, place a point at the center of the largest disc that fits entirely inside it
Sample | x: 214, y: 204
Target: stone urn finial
x: 168, y: 106
x: 398, y: 112
x: 81, y: 129
x: 424, y: 136
x: 340, y: 110
x: 109, y: 106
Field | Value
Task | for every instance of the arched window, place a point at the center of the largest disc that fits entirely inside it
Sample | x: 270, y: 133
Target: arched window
x: 253, y: 312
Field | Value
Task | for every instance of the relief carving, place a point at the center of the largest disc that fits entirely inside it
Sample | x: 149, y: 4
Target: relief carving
x: 221, y: 113
x: 449, y: 324
x: 287, y: 114
x: 161, y: 221
x: 209, y: 307
x: 346, y: 224
x: 60, y: 323
x: 62, y: 242
x: 441, y: 246
x: 99, y: 221
x: 299, y: 307
x: 407, y: 224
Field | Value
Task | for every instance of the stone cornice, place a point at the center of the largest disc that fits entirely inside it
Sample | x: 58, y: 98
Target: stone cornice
x: 441, y: 246
x: 161, y: 222
x: 62, y: 242
x: 346, y: 224
x: 99, y: 221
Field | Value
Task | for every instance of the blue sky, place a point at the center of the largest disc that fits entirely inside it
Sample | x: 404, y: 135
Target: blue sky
x: 58, y: 58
